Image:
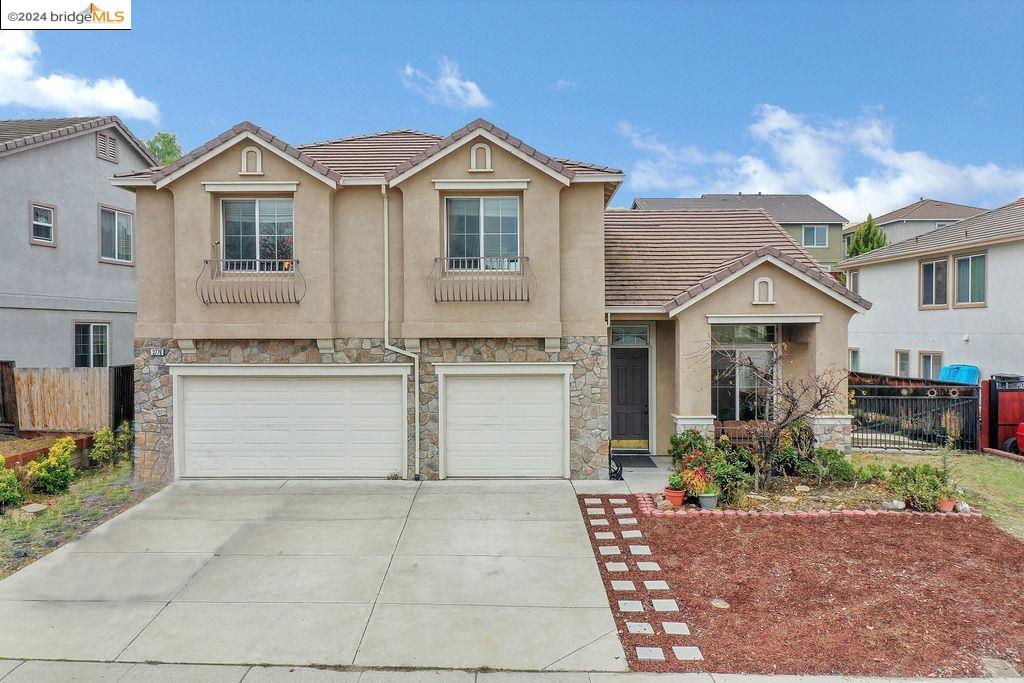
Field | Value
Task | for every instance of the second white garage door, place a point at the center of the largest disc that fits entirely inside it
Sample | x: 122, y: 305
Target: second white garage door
x: 304, y: 426
x: 504, y: 425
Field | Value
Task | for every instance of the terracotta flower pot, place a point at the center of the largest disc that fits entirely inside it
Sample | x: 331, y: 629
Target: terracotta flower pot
x: 675, y: 496
x: 946, y: 505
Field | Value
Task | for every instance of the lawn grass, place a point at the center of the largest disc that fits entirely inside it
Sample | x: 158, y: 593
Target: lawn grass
x: 96, y: 496
x: 995, y: 485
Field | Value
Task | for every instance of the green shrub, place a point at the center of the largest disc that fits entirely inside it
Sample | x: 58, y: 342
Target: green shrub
x: 54, y: 473
x: 10, y: 487
x: 787, y: 460
x: 104, y: 448
x: 921, y: 487
x: 828, y: 465
x: 732, y: 473
x: 872, y: 472
x: 125, y: 438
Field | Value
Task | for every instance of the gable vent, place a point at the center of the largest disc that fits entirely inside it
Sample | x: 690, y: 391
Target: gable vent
x: 106, y: 147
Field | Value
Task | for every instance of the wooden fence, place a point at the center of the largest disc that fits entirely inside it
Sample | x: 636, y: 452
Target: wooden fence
x: 8, y: 400
x: 63, y: 399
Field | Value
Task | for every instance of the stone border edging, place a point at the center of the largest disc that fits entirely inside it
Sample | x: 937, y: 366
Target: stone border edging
x: 1003, y: 454
x: 646, y: 506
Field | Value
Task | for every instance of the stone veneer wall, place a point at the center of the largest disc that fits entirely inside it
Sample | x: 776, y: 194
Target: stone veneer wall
x: 833, y: 432
x: 588, y: 389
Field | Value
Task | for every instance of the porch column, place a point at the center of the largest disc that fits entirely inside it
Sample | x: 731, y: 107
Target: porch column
x: 828, y: 355
x: 693, y: 366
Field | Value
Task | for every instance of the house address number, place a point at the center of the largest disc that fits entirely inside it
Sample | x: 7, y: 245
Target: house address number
x: 160, y: 351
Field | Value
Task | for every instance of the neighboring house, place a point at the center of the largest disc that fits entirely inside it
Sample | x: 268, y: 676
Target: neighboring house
x: 915, y: 219
x: 67, y: 286
x: 676, y: 280
x: 270, y: 272
x: 814, y: 226
x: 950, y: 296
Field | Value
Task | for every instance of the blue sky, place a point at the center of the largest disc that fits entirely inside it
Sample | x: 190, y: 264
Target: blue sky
x: 866, y: 105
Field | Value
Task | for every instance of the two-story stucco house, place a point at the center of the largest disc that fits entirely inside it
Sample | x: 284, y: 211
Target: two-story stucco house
x: 67, y: 285
x: 440, y: 306
x: 915, y: 219
x: 813, y: 225
x: 949, y: 296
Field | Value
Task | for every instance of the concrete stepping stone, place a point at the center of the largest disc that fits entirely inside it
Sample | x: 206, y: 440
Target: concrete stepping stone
x: 687, y: 653
x: 664, y: 605
x: 623, y: 511
x: 632, y: 533
x: 592, y: 501
x: 604, y: 536
x: 595, y: 511
x: 639, y: 550
x: 599, y: 522
x: 623, y: 586
x: 639, y: 627
x: 650, y: 654
x: 616, y: 566
x: 675, y: 628
x: 627, y: 521
x: 631, y: 606
x: 648, y: 566
x: 609, y: 550
x: 657, y: 585
x: 617, y: 501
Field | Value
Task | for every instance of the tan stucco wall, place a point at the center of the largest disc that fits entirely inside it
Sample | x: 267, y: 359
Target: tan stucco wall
x: 339, y: 246
x: 665, y: 383
x: 815, y: 347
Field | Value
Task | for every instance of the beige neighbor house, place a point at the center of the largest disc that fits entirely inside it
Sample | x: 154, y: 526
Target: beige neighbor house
x: 268, y: 275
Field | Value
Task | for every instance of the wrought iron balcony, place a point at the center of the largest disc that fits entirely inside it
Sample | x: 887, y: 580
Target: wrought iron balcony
x: 250, y: 281
x: 482, y: 279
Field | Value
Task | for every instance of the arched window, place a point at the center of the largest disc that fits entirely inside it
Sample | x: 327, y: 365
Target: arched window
x: 764, y: 291
x: 480, y: 157
x: 252, y: 161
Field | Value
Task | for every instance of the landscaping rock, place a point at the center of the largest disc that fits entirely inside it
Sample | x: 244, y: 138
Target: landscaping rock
x: 664, y: 505
x: 32, y: 509
x: 962, y: 506
x: 800, y: 488
x: 788, y: 499
x: 719, y: 603
x: 893, y: 505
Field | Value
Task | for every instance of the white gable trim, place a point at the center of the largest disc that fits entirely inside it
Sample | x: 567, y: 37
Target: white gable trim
x: 244, y: 135
x: 471, y: 137
x: 598, y: 178
x: 768, y: 258
x: 772, y: 318
x: 482, y: 184
x: 250, y: 185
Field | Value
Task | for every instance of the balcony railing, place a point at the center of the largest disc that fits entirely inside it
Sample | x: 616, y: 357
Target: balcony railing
x: 482, y: 279
x: 250, y: 281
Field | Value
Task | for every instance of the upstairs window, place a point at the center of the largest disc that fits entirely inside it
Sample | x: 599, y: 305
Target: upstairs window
x: 970, y: 279
x: 116, y: 235
x: 816, y: 236
x: 482, y: 233
x: 258, y: 234
x: 42, y: 224
x: 91, y: 347
x: 853, y: 281
x: 933, y: 284
x: 106, y: 147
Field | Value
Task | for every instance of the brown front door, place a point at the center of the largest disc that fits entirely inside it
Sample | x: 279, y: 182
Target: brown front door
x: 629, y: 398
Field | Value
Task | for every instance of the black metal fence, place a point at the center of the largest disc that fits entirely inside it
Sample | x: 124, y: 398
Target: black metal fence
x: 122, y: 394
x: 915, y: 416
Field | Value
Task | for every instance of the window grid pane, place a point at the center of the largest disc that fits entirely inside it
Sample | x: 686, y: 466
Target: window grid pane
x: 124, y: 236
x: 82, y: 346
x: 108, y: 236
x: 99, y: 346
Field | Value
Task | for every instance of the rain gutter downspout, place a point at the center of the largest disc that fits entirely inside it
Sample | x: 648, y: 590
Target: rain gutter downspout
x: 387, y: 325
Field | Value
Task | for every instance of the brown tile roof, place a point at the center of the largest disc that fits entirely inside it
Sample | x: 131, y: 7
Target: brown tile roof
x: 664, y: 258
x: 244, y: 126
x: 924, y: 209
x: 19, y: 134
x: 784, y: 208
x: 372, y: 155
x: 1002, y: 224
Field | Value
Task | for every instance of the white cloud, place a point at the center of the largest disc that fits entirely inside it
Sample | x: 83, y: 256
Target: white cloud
x: 21, y: 84
x: 447, y: 88
x: 564, y: 84
x: 792, y: 154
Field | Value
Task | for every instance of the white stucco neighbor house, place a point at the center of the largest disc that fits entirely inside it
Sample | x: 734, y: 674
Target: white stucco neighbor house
x: 953, y: 295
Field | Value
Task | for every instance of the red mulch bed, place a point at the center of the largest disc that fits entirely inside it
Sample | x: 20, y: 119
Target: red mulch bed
x: 890, y: 595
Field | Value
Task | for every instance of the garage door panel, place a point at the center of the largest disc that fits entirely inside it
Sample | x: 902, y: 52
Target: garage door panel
x: 505, y: 425
x: 293, y: 426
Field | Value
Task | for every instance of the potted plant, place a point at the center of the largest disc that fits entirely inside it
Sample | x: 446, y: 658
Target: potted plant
x: 708, y: 498
x: 675, y: 492
x: 947, y: 499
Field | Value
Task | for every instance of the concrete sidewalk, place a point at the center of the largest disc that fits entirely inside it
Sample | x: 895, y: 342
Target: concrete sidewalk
x: 45, y: 672
x: 452, y: 574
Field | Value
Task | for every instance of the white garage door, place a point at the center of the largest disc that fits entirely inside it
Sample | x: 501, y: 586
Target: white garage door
x: 254, y: 426
x: 504, y: 426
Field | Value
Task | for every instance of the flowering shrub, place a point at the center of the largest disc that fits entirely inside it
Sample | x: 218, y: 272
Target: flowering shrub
x: 53, y: 474
x: 104, y: 447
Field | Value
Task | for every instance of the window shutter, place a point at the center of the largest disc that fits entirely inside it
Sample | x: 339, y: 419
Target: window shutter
x: 106, y: 147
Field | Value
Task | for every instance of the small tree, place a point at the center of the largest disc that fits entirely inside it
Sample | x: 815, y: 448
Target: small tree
x: 164, y: 146
x: 790, y: 402
x: 867, y: 237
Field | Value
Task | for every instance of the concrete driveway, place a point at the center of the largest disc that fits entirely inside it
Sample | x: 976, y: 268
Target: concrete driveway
x: 456, y: 574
